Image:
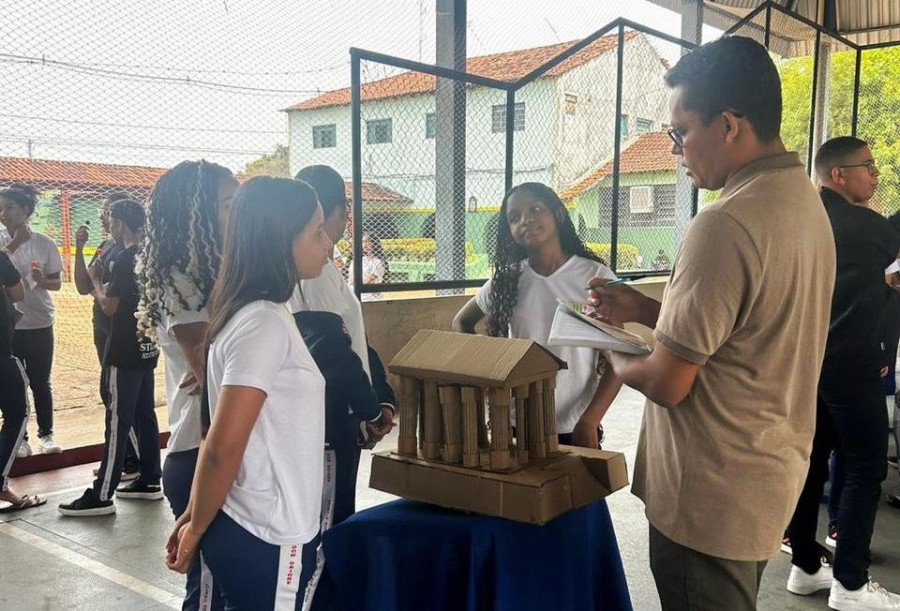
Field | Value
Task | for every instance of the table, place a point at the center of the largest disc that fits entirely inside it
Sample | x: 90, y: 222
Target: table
x: 405, y: 555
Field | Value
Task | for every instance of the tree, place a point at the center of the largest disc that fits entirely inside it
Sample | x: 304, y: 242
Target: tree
x: 275, y: 164
x: 879, y: 105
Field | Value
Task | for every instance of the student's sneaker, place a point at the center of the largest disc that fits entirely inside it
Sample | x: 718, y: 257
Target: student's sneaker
x: 48, y: 446
x: 871, y: 596
x: 786, y: 545
x: 802, y: 583
x: 87, y: 505
x: 129, y: 473
x: 139, y: 490
x: 24, y: 450
x: 831, y: 539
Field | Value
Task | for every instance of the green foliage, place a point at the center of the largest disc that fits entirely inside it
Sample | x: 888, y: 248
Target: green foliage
x: 275, y: 164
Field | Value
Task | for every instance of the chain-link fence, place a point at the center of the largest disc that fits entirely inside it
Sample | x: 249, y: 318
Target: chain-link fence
x: 436, y: 145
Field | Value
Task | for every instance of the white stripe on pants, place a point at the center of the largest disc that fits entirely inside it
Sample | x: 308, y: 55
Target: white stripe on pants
x: 290, y: 566
x: 113, y: 431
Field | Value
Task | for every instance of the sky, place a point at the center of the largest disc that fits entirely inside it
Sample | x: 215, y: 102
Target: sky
x: 153, y: 83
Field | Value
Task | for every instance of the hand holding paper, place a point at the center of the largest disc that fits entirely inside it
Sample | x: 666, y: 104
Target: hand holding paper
x: 571, y: 327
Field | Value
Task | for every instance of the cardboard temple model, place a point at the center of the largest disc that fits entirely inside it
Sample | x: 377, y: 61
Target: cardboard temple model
x: 459, y: 447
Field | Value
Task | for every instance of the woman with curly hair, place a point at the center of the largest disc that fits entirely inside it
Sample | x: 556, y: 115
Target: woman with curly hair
x: 177, y: 267
x: 539, y: 258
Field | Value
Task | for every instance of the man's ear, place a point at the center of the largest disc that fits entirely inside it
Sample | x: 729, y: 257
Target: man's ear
x: 732, y: 126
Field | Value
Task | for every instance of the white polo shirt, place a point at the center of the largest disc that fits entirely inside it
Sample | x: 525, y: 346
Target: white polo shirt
x: 277, y: 494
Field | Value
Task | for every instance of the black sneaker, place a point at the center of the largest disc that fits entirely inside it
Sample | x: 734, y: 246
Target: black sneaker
x: 139, y: 490
x: 130, y: 472
x: 87, y: 505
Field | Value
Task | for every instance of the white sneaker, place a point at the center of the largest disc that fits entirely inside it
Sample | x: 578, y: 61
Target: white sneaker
x: 48, y: 446
x: 802, y: 583
x: 871, y: 596
x: 831, y: 541
x: 24, y: 450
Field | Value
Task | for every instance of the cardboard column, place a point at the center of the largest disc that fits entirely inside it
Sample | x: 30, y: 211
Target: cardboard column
x: 522, y: 405
x: 451, y: 410
x: 482, y: 397
x: 470, y: 427
x: 431, y: 449
x: 537, y: 434
x: 550, y: 414
x: 410, y: 394
x: 500, y: 429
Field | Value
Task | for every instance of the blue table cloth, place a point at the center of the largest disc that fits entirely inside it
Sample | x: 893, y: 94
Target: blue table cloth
x: 413, y: 556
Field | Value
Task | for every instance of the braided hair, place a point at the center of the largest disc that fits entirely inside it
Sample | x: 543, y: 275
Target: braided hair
x: 182, y: 234
x: 508, y: 255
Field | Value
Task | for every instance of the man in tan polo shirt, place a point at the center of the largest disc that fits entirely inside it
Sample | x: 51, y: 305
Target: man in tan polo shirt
x: 731, y: 383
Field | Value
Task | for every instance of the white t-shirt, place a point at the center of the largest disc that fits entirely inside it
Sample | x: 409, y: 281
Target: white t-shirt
x: 184, y: 408
x: 373, y: 266
x: 277, y: 494
x: 37, y: 307
x: 329, y: 293
x: 532, y: 318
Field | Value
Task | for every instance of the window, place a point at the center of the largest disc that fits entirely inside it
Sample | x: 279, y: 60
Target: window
x: 498, y: 118
x: 429, y: 126
x: 571, y: 103
x: 324, y: 136
x: 623, y: 126
x: 640, y: 200
x: 642, y: 126
x: 379, y: 131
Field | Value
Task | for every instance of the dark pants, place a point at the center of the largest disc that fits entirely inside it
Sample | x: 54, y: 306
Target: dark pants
x: 130, y: 404
x: 34, y: 347
x: 857, y: 407
x: 131, y: 453
x: 177, y: 477
x: 836, y: 479
x: 802, y: 528
x: 14, y: 407
x: 254, y: 574
x: 688, y: 580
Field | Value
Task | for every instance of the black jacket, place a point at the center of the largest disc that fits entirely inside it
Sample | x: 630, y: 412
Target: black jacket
x: 349, y: 396
x: 865, y: 311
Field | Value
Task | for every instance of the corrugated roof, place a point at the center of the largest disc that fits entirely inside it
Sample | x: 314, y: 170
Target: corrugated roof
x: 500, y: 66
x: 650, y: 152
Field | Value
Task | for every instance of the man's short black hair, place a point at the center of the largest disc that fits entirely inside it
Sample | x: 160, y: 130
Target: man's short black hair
x: 835, y: 152
x: 328, y: 185
x: 733, y: 73
x: 130, y: 212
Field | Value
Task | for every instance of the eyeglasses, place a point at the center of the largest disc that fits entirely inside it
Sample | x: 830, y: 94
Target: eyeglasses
x: 869, y: 165
x: 678, y: 138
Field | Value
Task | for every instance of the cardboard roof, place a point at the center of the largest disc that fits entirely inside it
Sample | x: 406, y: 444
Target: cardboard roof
x: 477, y: 360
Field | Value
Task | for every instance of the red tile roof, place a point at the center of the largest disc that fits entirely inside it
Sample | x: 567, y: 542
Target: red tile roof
x: 77, y: 174
x: 507, y: 66
x: 47, y: 174
x: 650, y: 152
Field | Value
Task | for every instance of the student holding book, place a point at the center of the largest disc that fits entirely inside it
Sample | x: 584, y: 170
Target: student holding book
x: 257, y: 492
x: 538, y: 259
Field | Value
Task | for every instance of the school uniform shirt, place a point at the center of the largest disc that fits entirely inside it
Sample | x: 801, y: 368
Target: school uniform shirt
x: 124, y: 349
x: 105, y: 257
x: 277, y: 493
x: 184, y: 408
x: 532, y: 318
x: 9, y: 277
x: 329, y: 293
x: 37, y: 307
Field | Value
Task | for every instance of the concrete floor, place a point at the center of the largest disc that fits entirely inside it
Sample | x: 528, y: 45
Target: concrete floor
x: 115, y: 562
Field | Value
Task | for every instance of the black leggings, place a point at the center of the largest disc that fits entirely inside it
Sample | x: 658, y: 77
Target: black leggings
x: 14, y: 407
x: 34, y: 347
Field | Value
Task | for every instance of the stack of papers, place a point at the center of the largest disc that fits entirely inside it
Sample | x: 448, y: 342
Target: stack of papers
x: 573, y: 328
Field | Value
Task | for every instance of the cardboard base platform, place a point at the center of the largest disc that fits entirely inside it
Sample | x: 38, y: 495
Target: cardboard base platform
x: 535, y: 494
